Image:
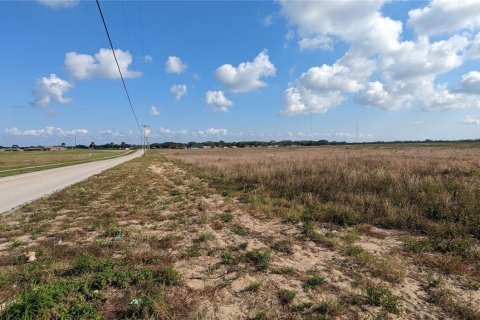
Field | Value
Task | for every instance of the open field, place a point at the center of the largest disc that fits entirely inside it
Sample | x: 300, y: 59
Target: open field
x: 12, y: 163
x: 320, y: 233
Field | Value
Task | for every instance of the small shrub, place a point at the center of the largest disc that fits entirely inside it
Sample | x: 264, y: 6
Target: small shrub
x: 434, y: 281
x: 253, y: 287
x: 261, y: 260
x: 314, y: 281
x: 381, y: 296
x: 226, y: 217
x: 261, y: 315
x: 193, y: 251
x: 229, y: 258
x: 238, y: 229
x: 203, y: 237
x: 238, y: 247
x: 146, y: 306
x: 353, y: 250
x: 115, y: 232
x: 16, y: 243
x: 284, y: 246
x: 169, y: 277
x: 302, y: 306
x: 80, y: 311
x: 286, y: 296
x: 82, y: 264
x: 329, y: 307
x: 341, y: 216
x: 283, y: 270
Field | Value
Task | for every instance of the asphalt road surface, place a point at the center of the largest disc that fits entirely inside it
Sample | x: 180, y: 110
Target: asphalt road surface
x: 23, y: 188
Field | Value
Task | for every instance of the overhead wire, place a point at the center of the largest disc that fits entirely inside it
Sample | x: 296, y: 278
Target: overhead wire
x: 118, y: 66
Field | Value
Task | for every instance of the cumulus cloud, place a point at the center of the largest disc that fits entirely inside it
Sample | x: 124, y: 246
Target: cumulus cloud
x: 247, y: 75
x: 59, y: 3
x: 179, y: 90
x: 211, y: 132
x: 154, y: 111
x: 101, y: 65
x: 218, y: 100
x: 50, y: 89
x: 357, y: 22
x: 319, y: 89
x: 445, y: 16
x: 376, y: 95
x: 45, y: 132
x: 184, y: 133
x: 317, y: 42
x: 470, y: 120
x: 470, y: 82
x: 406, y: 72
x: 175, y: 65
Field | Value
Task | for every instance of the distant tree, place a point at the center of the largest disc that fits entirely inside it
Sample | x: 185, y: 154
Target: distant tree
x: 63, y: 144
x: 92, y: 145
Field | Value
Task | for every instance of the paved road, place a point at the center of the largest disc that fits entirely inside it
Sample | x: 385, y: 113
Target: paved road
x: 23, y: 188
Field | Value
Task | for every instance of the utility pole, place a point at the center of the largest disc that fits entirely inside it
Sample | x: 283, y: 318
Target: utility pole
x: 144, y: 144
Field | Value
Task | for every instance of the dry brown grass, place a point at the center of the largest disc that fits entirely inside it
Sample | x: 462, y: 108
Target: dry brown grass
x: 419, y: 189
x: 425, y: 190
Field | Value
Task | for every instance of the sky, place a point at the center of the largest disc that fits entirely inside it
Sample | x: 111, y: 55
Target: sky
x: 239, y: 70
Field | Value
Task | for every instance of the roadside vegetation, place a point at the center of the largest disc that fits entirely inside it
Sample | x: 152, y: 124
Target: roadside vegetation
x: 218, y: 234
x: 17, y: 162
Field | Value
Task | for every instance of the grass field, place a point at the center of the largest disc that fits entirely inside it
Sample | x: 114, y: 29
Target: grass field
x: 12, y: 163
x: 310, y: 233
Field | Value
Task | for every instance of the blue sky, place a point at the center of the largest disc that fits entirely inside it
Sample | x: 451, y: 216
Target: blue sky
x: 241, y: 70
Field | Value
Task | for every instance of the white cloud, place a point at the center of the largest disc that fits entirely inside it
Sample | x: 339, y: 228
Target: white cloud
x: 50, y: 89
x: 148, y: 58
x: 109, y: 133
x: 445, y: 16
x: 317, y: 42
x: 210, y: 132
x: 164, y: 131
x: 179, y: 90
x: 218, y: 100
x: 246, y: 76
x: 357, y: 22
x: 59, y: 3
x: 376, y: 95
x: 406, y: 72
x: 46, y: 132
x: 175, y: 65
x: 154, y: 111
x: 474, y: 49
x: 470, y: 82
x: 418, y: 123
x: 102, y: 65
x: 268, y: 20
x: 470, y: 120
x: 319, y: 89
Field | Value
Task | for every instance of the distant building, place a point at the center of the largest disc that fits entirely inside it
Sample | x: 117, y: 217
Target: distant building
x: 56, y: 148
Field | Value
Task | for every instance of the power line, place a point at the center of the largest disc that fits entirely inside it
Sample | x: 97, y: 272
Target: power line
x: 118, y: 66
